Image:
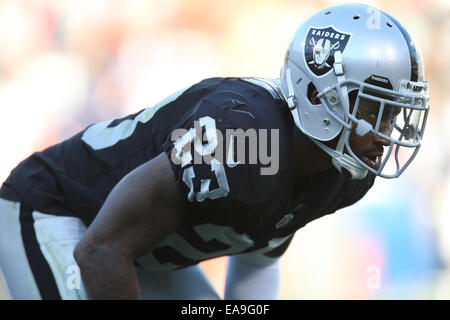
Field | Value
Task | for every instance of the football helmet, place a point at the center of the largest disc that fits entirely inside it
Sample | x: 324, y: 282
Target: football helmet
x: 357, y: 49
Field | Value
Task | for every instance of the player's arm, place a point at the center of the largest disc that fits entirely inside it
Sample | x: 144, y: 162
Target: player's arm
x: 141, y: 210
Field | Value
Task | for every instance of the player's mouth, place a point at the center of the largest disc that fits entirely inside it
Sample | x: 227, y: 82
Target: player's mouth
x: 372, y: 159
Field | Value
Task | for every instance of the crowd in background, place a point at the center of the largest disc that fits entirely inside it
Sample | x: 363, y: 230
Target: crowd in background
x: 66, y: 64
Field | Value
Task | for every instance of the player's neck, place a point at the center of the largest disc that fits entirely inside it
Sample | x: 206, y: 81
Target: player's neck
x: 308, y: 158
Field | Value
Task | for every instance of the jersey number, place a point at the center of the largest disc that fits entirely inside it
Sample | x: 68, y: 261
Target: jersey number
x: 188, y: 174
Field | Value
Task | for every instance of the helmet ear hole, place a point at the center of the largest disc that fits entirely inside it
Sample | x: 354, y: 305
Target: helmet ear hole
x: 312, y: 94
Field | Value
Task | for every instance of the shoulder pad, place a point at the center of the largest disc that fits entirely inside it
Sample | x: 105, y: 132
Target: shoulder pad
x: 271, y: 85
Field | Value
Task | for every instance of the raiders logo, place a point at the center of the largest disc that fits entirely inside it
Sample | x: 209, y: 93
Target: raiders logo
x: 320, y: 46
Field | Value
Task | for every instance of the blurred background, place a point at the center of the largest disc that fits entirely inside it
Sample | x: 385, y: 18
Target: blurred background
x: 65, y: 64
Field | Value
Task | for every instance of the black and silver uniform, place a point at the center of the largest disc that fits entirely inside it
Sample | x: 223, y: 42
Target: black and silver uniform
x: 232, y: 207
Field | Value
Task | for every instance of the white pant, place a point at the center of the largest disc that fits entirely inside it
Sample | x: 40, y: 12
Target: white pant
x: 36, y: 259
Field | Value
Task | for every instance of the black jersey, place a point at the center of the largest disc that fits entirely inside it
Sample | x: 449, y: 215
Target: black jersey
x: 237, y: 201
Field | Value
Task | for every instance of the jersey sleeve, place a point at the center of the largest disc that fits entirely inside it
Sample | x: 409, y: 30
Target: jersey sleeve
x: 203, y: 152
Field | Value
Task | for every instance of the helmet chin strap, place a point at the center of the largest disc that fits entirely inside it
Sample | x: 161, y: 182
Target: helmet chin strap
x: 339, y: 158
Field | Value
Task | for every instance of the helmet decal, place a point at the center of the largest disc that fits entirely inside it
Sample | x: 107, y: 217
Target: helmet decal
x: 320, y: 46
x: 379, y: 81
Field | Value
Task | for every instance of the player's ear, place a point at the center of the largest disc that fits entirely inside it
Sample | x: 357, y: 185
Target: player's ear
x: 312, y: 94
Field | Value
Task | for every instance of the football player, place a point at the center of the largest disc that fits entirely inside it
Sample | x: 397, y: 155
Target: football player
x: 227, y: 167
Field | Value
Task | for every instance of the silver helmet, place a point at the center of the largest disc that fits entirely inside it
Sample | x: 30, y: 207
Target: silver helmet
x: 357, y: 49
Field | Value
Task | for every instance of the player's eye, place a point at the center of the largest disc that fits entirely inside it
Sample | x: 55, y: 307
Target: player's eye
x: 368, y: 110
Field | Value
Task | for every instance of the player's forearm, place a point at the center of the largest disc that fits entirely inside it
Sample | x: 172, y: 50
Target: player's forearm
x: 107, y: 276
x: 140, y: 211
